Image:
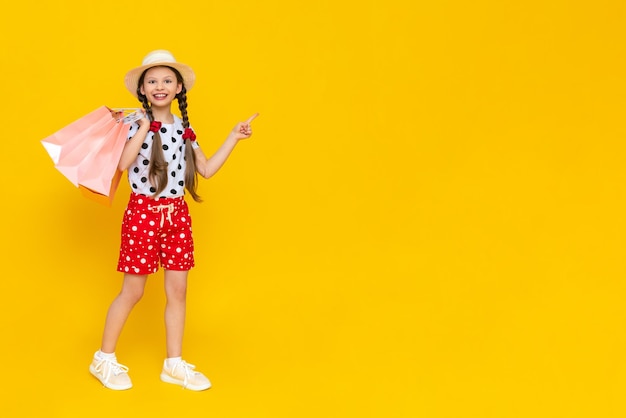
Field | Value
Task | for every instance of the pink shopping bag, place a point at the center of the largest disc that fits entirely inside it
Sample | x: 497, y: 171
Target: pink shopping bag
x: 87, y: 151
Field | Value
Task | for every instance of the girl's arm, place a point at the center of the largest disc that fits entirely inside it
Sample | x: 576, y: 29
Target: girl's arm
x: 207, y: 167
x: 133, y: 145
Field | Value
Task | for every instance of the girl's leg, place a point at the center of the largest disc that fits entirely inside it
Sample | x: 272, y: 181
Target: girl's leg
x: 175, y: 308
x: 175, y: 369
x: 122, y: 305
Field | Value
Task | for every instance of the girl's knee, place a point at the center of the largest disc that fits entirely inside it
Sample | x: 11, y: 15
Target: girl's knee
x: 132, y: 295
x: 176, y: 285
x: 133, y: 288
x: 176, y: 292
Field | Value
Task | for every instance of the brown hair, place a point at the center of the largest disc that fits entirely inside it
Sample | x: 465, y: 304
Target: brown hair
x: 158, y: 166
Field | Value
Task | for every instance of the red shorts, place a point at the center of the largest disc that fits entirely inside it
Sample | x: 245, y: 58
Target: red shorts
x: 156, y: 232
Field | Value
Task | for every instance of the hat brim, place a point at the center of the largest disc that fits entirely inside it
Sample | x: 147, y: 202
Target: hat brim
x: 132, y: 77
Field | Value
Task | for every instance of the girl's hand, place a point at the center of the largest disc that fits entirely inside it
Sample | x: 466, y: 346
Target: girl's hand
x: 144, y: 120
x: 243, y: 130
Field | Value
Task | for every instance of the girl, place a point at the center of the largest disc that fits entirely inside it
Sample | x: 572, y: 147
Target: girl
x: 163, y: 160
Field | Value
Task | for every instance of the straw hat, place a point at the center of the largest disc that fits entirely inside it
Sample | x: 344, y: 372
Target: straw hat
x: 160, y: 57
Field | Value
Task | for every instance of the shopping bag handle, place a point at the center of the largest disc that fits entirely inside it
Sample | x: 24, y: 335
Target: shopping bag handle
x: 127, y: 114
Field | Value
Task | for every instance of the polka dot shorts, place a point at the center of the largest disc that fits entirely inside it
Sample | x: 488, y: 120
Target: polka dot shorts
x: 155, y: 232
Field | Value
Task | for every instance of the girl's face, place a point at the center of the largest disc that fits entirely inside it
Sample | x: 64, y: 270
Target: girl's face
x: 160, y: 86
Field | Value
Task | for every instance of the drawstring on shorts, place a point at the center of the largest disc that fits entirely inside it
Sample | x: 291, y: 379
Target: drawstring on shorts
x: 162, y: 208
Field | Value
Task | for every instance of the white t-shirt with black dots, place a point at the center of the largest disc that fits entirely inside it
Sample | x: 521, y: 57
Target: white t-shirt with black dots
x: 174, y: 153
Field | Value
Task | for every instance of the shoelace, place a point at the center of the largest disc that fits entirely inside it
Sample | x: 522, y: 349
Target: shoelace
x: 187, y: 370
x: 113, y: 368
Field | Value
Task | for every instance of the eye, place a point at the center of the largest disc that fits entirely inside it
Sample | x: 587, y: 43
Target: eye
x: 169, y: 81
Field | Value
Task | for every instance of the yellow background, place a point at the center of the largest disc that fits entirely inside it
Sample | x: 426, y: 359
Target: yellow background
x: 427, y: 222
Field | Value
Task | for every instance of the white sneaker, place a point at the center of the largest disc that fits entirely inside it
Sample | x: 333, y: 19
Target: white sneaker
x: 182, y: 374
x: 110, y: 373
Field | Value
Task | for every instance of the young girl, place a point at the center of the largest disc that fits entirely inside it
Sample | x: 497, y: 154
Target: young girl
x: 163, y: 160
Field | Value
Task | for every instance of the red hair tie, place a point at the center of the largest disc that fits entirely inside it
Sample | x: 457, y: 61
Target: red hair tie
x: 189, y: 134
x: 155, y: 126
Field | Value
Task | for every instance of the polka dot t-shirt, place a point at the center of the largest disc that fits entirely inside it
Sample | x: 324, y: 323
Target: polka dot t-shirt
x: 174, y: 153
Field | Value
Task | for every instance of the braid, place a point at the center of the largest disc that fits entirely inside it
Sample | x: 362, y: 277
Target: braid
x: 182, y: 105
x: 144, y: 103
x: 191, y: 175
x: 157, y: 171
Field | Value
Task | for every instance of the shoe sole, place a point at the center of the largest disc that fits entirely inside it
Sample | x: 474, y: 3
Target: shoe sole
x: 106, y: 384
x: 168, y: 379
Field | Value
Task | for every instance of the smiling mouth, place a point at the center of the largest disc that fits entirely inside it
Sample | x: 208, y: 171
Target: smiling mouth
x: 160, y: 96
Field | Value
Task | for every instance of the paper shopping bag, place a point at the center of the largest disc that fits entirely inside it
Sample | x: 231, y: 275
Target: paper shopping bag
x: 98, y: 167
x: 83, y: 148
x: 98, y: 175
x: 70, y: 137
x: 87, y: 152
